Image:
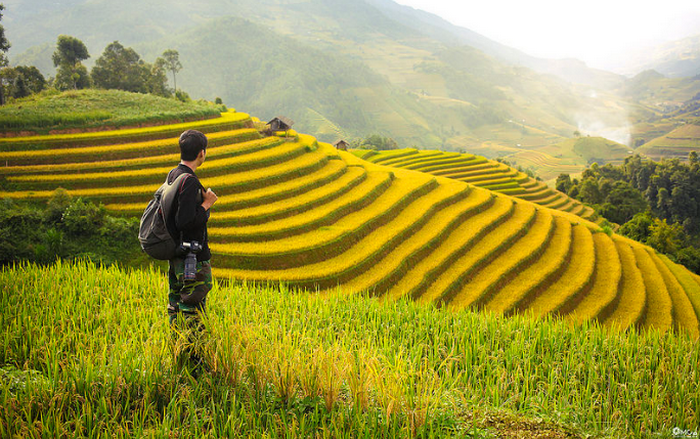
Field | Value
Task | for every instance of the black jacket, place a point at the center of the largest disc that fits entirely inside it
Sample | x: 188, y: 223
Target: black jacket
x: 188, y: 215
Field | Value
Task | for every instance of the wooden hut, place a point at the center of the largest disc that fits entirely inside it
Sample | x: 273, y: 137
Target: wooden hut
x: 280, y: 123
x: 341, y: 145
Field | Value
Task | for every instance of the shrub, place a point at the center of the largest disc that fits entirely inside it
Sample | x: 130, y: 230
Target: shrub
x: 182, y: 96
x: 57, y: 204
x: 81, y: 218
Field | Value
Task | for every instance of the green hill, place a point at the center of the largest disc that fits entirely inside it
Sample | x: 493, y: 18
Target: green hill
x: 678, y: 143
x: 416, y: 83
x: 97, y: 109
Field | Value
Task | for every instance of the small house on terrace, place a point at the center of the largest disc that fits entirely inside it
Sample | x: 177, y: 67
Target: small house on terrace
x: 281, y: 123
x: 341, y: 145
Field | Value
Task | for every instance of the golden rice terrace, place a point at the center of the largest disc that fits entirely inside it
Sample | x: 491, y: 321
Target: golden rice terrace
x: 481, y: 172
x: 297, y: 211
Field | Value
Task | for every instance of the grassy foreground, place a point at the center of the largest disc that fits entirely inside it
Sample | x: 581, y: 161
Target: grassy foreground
x: 87, y: 351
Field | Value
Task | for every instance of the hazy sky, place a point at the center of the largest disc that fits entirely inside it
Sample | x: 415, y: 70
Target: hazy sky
x: 595, y: 31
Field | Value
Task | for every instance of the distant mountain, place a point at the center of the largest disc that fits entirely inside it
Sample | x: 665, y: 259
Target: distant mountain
x: 676, y: 59
x: 345, y: 68
x: 571, y: 70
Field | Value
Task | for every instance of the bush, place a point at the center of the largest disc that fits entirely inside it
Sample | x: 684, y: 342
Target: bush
x: 182, y: 96
x: 690, y: 257
x: 66, y: 228
x: 81, y: 218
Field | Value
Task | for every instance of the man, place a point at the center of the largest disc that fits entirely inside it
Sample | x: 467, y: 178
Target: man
x: 190, y: 213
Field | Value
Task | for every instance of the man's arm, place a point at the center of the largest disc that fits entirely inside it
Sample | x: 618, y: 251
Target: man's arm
x: 209, y: 199
x: 190, y: 214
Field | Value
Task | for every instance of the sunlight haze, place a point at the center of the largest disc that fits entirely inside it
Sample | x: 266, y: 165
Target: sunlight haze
x: 596, y: 32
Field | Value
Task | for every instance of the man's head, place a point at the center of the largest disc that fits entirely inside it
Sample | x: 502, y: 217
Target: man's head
x: 192, y: 143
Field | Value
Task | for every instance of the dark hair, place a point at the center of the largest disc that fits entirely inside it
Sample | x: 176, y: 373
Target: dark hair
x: 191, y: 142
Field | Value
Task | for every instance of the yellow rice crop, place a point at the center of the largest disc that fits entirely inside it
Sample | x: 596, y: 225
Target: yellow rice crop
x: 431, y: 161
x: 606, y: 283
x: 373, y: 181
x: 334, y: 169
x: 498, y: 180
x: 380, y: 156
x: 489, y: 245
x: 259, y: 176
x: 684, y: 315
x: 473, y: 164
x: 476, y: 170
x: 359, y: 253
x: 633, y: 294
x: 212, y: 153
x: 493, y: 178
x: 547, y: 200
x: 350, y: 178
x: 231, y: 162
x: 461, y: 237
x: 402, y: 162
x: 688, y: 280
x: 515, y: 256
x: 429, y: 234
x: 574, y: 279
x: 226, y: 117
x: 318, y: 236
x: 448, y: 165
x: 151, y: 146
x: 535, y: 275
x: 659, y: 310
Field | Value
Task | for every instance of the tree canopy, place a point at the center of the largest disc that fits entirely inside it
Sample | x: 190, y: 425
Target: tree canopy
x: 69, y: 53
x: 170, y: 60
x: 122, y: 68
x: 657, y: 203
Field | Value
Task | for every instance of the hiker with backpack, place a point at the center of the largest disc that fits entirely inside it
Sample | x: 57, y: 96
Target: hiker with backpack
x: 174, y: 228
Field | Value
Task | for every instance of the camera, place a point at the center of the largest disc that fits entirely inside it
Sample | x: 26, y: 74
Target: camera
x: 190, y: 250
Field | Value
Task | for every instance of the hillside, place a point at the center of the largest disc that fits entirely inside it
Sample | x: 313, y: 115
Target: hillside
x: 480, y: 172
x: 297, y: 211
x: 359, y: 67
x: 676, y: 59
x: 96, y: 109
x: 678, y: 143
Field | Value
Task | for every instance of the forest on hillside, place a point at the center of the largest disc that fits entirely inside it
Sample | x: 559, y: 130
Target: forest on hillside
x: 656, y: 203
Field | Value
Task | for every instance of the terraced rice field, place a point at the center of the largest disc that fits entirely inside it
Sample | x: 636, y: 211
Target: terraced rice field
x: 419, y: 225
x: 676, y: 144
x: 481, y: 172
x: 547, y: 166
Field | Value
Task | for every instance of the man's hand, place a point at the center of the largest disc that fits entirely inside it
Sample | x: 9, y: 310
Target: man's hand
x: 209, y: 199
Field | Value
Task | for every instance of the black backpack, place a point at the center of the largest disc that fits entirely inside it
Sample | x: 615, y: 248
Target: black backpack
x: 154, y: 235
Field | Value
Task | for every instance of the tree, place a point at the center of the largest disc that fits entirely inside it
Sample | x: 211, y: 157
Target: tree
x: 170, y: 60
x: 4, y: 47
x: 375, y: 141
x: 638, y: 227
x: 158, y: 82
x: 622, y: 202
x: 121, y: 68
x: 69, y: 53
x: 664, y: 237
x: 564, y: 183
x: 589, y: 192
x: 22, y: 81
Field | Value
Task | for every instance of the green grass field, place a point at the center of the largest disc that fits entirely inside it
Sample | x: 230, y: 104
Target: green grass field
x: 96, y: 108
x: 87, y: 351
